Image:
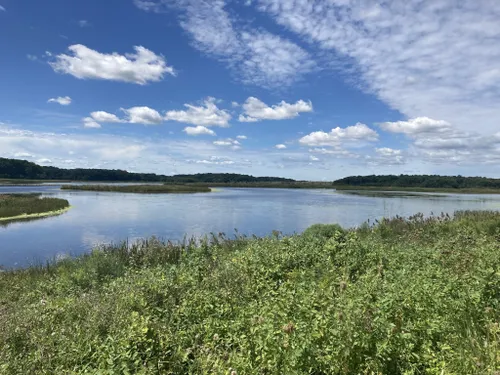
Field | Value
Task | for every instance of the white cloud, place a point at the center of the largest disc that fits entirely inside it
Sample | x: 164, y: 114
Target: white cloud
x: 167, y: 155
x: 417, y: 126
x: 272, y: 60
x: 256, y: 110
x: 386, y: 156
x: 235, y: 104
x: 439, y: 142
x: 280, y: 146
x: 2, y: 9
x: 149, y: 6
x: 140, y: 67
x: 206, y: 115
x: 198, y: 130
x: 101, y: 116
x: 62, y: 100
x: 142, y: 115
x: 385, y: 151
x: 32, y: 57
x: 229, y: 142
x: 256, y: 56
x: 243, y: 137
x: 214, y: 160
x: 419, y: 56
x: 44, y: 161
x: 356, y: 134
x: 83, y: 23
x: 90, y: 123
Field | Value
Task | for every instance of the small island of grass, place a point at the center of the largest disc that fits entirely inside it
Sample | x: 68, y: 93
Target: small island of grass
x: 140, y: 189
x: 27, y: 206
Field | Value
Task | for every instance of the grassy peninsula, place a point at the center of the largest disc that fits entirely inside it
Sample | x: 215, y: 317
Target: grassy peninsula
x: 26, y: 206
x: 416, y: 296
x: 141, y: 189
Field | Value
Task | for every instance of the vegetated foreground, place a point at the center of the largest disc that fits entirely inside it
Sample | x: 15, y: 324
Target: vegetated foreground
x: 15, y: 205
x: 417, y: 296
x: 144, y: 189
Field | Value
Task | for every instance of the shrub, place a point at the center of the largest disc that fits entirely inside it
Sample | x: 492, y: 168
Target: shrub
x: 323, y: 230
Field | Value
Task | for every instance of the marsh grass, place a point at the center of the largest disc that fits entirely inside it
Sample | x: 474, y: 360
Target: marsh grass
x: 15, y: 205
x: 399, y: 296
x: 141, y: 189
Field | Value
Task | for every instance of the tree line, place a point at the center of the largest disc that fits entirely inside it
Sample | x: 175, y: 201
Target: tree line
x: 421, y: 181
x: 23, y: 169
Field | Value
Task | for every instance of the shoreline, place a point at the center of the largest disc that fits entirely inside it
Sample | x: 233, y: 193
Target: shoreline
x: 36, y: 216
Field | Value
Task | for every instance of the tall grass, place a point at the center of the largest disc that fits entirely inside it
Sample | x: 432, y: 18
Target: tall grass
x: 144, y: 189
x: 403, y: 296
x: 12, y: 205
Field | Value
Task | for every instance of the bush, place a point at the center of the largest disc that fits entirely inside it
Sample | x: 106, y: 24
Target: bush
x: 323, y: 230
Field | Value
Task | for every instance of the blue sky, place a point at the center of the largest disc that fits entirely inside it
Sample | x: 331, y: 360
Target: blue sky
x: 316, y: 89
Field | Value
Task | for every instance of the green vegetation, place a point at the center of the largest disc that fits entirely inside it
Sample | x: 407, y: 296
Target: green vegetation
x: 416, y: 296
x: 25, y: 206
x: 142, y: 189
x: 323, y: 230
x: 420, y: 182
x: 12, y: 169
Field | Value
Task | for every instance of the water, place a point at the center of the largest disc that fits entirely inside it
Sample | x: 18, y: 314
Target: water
x: 100, y: 218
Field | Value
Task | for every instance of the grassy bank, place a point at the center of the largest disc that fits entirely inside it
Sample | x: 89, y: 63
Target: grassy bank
x: 276, y: 185
x: 417, y: 189
x: 141, y: 189
x: 25, y: 206
x: 418, y: 296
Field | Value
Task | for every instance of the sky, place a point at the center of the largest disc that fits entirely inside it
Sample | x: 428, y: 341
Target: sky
x: 305, y: 89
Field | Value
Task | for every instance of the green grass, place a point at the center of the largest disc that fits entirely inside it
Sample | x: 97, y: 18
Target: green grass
x: 22, y: 206
x: 141, y: 189
x: 416, y: 189
x: 416, y: 296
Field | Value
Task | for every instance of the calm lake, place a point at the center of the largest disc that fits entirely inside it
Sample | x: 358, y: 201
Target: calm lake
x: 102, y: 218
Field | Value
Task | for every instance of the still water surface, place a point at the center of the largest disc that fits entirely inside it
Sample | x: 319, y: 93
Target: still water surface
x: 101, y: 218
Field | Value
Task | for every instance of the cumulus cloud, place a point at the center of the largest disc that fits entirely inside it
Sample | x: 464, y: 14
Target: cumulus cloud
x: 419, y: 56
x: 386, y: 156
x: 101, y: 116
x: 2, y: 9
x: 206, y: 115
x: 198, y: 130
x: 419, y: 125
x: 356, y: 134
x: 243, y: 137
x: 229, y: 142
x: 90, y: 123
x: 256, y: 110
x: 141, y: 67
x: 142, y: 115
x: 256, y: 56
x: 440, y: 142
x: 62, y: 100
x: 280, y: 146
